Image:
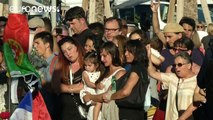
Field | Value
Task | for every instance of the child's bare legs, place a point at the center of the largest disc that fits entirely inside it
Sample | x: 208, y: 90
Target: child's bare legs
x: 96, y: 110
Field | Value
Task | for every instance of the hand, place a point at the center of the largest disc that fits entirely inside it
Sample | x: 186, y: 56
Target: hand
x: 181, y: 119
x: 154, y: 6
x: 87, y: 97
x: 93, y: 103
x: 107, y: 96
x: 148, y: 48
x: 100, y: 86
x: 202, y: 92
x: 198, y: 97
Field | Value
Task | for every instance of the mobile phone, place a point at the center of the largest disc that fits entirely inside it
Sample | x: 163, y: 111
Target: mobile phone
x: 58, y: 31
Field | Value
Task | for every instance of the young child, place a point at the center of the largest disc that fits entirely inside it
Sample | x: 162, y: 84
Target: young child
x: 91, y: 44
x: 89, y: 77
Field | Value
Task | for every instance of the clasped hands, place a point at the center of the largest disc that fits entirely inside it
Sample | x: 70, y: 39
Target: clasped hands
x: 106, y: 96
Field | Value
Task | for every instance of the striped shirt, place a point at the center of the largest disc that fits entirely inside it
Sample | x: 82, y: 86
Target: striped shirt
x: 184, y: 90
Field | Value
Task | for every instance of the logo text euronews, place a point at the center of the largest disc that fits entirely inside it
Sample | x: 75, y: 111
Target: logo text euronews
x: 34, y: 9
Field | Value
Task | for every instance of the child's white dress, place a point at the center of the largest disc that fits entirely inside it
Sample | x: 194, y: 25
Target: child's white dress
x: 93, y: 76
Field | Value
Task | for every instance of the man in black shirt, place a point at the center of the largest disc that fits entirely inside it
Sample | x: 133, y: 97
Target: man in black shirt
x: 76, y: 18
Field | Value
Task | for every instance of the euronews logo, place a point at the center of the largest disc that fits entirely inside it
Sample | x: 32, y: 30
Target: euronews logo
x: 29, y: 9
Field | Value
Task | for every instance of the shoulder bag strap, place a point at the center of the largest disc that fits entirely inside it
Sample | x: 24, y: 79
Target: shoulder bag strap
x: 176, y: 96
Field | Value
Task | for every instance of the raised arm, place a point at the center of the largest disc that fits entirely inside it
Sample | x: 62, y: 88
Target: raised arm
x: 155, y: 21
x: 156, y: 57
x: 151, y: 69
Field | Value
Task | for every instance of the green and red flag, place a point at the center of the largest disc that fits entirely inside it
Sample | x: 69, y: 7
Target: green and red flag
x: 19, y: 67
x: 15, y: 48
x: 17, y: 29
x: 16, y: 44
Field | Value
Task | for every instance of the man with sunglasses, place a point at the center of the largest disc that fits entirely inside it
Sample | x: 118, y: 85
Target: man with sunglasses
x: 76, y: 19
x: 181, y: 86
x: 186, y: 44
x: 201, y: 26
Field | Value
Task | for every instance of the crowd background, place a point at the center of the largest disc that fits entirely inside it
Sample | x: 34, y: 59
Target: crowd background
x: 84, y: 68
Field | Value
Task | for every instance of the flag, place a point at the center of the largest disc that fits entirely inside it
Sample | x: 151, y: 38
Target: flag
x: 24, y: 109
x: 31, y: 108
x: 23, y: 69
x: 15, y: 48
x: 17, y: 29
x: 40, y: 111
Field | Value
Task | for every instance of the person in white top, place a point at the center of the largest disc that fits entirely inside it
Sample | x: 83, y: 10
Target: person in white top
x: 110, y: 57
x: 89, y: 77
x: 181, y: 87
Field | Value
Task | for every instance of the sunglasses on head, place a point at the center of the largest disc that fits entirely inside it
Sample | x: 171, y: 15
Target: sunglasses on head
x: 179, y: 65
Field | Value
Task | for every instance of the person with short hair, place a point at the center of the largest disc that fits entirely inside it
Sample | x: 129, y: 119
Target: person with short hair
x: 112, y: 28
x: 189, y: 27
x: 43, y: 46
x: 201, y: 26
x: 181, y: 86
x: 76, y: 18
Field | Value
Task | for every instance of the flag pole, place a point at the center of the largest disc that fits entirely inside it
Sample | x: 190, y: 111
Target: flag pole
x: 14, y: 7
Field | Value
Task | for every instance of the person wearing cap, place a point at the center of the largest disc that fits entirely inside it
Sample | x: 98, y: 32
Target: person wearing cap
x: 76, y: 19
x: 171, y: 32
x: 36, y: 24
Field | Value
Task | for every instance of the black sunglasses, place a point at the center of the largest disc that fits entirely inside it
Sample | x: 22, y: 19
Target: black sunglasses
x: 199, y: 26
x: 179, y: 65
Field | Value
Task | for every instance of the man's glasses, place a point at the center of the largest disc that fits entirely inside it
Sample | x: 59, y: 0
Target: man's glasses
x: 179, y: 65
x: 111, y: 30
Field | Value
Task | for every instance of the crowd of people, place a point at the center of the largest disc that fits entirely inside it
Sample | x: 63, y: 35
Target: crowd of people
x: 83, y: 68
